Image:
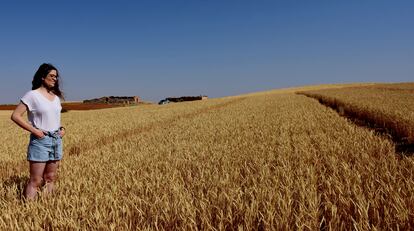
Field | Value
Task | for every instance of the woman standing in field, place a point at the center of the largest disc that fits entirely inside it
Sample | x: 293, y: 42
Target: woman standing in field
x: 45, y: 147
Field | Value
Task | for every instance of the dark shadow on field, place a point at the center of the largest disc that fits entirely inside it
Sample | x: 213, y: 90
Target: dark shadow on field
x: 405, y: 148
x: 19, y: 182
x: 402, y: 146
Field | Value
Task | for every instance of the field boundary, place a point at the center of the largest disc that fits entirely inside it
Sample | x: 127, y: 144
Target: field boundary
x: 402, y: 136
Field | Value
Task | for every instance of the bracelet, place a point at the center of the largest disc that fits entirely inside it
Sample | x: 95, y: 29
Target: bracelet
x: 62, y: 128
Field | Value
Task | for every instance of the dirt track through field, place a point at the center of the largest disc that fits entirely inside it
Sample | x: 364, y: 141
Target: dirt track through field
x: 402, y: 146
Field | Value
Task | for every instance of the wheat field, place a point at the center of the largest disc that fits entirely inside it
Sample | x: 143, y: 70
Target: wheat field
x: 389, y: 106
x: 266, y: 161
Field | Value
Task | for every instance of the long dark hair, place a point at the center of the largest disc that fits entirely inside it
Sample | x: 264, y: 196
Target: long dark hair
x: 41, y: 73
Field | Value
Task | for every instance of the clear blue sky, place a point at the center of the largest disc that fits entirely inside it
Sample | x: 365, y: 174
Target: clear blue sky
x: 156, y: 49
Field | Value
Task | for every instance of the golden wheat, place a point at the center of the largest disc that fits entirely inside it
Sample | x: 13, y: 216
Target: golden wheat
x: 387, y: 105
x: 268, y: 161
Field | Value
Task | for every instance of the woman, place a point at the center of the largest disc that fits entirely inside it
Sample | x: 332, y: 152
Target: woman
x: 45, y: 147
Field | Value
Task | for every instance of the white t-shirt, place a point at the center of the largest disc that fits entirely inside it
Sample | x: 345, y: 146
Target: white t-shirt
x: 43, y: 113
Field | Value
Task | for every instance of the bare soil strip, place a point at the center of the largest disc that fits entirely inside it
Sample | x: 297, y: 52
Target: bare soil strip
x: 72, y: 106
x: 403, y: 145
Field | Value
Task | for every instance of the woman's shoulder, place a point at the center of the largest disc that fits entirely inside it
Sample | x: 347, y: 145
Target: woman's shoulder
x: 29, y: 99
x: 30, y: 93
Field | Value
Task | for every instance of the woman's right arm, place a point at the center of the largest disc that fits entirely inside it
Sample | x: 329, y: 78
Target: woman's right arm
x: 17, y: 117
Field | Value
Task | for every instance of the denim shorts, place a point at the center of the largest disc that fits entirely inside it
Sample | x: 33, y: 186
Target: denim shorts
x: 46, y: 148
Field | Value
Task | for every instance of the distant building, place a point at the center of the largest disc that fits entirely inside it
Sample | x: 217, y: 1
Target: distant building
x: 182, y: 99
x: 115, y: 100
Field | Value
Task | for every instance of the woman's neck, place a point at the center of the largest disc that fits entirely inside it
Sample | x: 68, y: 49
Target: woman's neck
x: 45, y: 89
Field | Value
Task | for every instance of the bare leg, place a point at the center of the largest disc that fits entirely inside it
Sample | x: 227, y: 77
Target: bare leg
x: 49, y: 175
x: 36, y: 175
